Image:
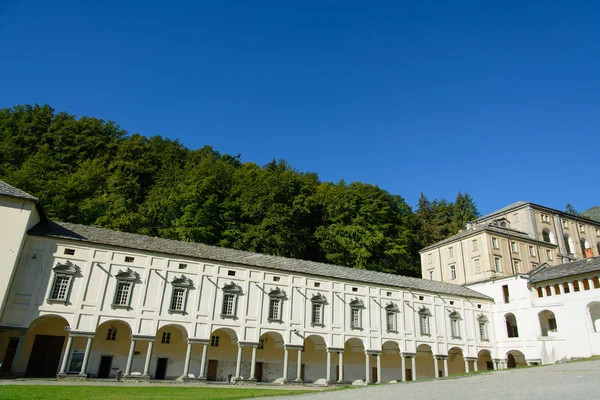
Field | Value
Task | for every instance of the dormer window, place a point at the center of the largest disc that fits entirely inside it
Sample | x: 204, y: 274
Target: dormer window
x: 125, y: 282
x: 179, y: 294
x: 356, y: 307
x: 62, y: 283
x: 318, y: 308
x: 455, y: 325
x: 231, y: 292
x: 424, y: 315
x: 391, y: 313
x: 276, y: 297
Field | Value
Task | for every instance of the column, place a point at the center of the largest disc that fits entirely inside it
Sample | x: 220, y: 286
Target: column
x: 188, y: 356
x: 130, y: 357
x: 299, y: 367
x: 436, y: 366
x: 445, y: 366
x: 148, y: 358
x: 238, y: 365
x: 414, y: 367
x: 475, y: 366
x: 18, y: 350
x: 571, y: 288
x: 467, y: 366
x: 86, y: 356
x: 328, y: 375
x: 495, y: 363
x: 341, y: 366
x: 378, y: 368
x: 403, y: 367
x: 63, y: 366
x: 253, y: 364
x: 367, y: 368
x: 203, y: 362
x: 285, y: 364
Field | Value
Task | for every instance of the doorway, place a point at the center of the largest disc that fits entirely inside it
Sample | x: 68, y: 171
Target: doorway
x: 373, y: 374
x: 258, y: 367
x: 9, y: 356
x: 409, y: 375
x: 104, y: 367
x: 45, y: 356
x: 161, y: 368
x: 211, y: 375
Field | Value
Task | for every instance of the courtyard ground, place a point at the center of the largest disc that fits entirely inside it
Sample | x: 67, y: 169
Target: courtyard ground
x: 577, y: 380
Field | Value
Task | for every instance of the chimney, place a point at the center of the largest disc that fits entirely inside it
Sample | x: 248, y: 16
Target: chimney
x: 589, y: 253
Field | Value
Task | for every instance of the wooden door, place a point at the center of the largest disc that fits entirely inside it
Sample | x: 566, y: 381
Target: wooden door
x: 258, y: 371
x: 373, y: 374
x: 104, y: 367
x: 161, y: 368
x: 212, y: 370
x: 337, y: 372
x: 302, y: 372
x: 409, y: 375
x: 45, y: 356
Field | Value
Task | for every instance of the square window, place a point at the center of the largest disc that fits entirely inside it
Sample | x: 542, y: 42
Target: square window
x: 479, y: 306
x: 451, y: 302
x: 182, y: 266
x: 166, y: 338
x: 111, y: 334
x: 421, y: 297
x: 276, y: 279
x: 129, y: 259
x: 70, y: 252
x: 317, y: 284
x: 214, y: 341
x: 231, y: 273
x: 355, y: 289
x: 388, y: 294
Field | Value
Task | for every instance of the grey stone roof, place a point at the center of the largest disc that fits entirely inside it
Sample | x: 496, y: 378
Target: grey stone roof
x: 197, y: 250
x: 485, y: 227
x: 549, y: 272
x: 518, y: 204
x: 10, y: 191
x: 503, y: 209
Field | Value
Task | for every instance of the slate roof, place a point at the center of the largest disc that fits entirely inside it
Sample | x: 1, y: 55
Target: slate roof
x: 107, y: 237
x: 517, y: 204
x: 578, y: 267
x: 10, y: 191
x: 484, y: 227
x: 503, y: 209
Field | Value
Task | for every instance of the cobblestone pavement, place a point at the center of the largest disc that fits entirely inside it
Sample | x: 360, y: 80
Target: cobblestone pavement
x: 578, y: 380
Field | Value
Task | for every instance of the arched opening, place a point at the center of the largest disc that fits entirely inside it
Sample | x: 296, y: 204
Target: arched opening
x: 511, y: 325
x: 548, y: 236
x: 110, y: 349
x: 575, y: 286
x: 484, y: 361
x: 596, y: 282
x: 548, y: 290
x: 584, y: 246
x: 269, y: 359
x: 314, y: 359
x: 594, y: 310
x: 586, y: 284
x: 566, y: 288
x: 168, y: 353
x: 43, y: 346
x: 547, y: 322
x: 354, y: 360
x: 515, y: 359
x: 569, y: 244
x: 540, y: 292
x: 456, y: 361
x: 425, y: 362
x: 391, y: 363
x: 557, y: 288
x: 222, y: 355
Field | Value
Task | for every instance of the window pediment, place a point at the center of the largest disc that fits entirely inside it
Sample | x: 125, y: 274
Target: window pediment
x: 482, y: 318
x: 182, y: 282
x: 66, y: 268
x: 357, y: 303
x: 424, y: 311
x: 392, y: 307
x: 318, y: 299
x: 232, y: 288
x: 129, y: 275
x: 277, y: 293
x: 455, y: 315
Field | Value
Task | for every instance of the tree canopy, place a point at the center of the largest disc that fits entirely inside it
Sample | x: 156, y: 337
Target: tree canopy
x: 89, y: 171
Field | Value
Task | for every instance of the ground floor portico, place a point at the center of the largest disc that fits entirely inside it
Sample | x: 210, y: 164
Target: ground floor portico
x: 50, y: 348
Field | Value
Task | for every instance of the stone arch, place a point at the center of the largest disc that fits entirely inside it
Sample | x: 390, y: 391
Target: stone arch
x: 170, y: 342
x: 548, y: 236
x: 570, y: 245
x: 112, y: 339
x: 484, y: 360
x: 270, y: 355
x: 222, y: 354
x: 548, y: 290
x: 548, y: 324
x: 456, y: 361
x: 354, y: 359
x: 43, y: 346
x: 585, y: 283
x: 594, y: 311
x: 512, y: 329
x: 391, y: 363
x: 576, y: 285
x: 557, y: 288
x: 314, y: 358
x: 540, y: 291
x: 596, y: 282
x: 584, y: 245
x: 515, y: 358
x: 425, y: 361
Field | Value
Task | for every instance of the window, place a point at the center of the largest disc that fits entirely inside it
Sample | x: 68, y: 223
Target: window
x: 356, y: 307
x: 421, y: 297
x: 549, y: 255
x: 569, y: 244
x: 477, y: 263
x: 391, y: 311
x: 505, y: 293
x: 430, y: 274
x: 498, y: 264
x: 166, y: 338
x: 452, y: 272
x: 388, y: 294
x: 424, y: 315
x: 451, y: 252
x: 230, y: 296
x: 111, y: 334
x: 179, y: 294
x: 129, y: 259
x: 182, y: 266
x: 547, y: 322
x: 517, y: 265
x: 261, y: 344
x: 565, y: 224
x: 483, y: 334
x: 581, y: 228
x: 317, y: 314
x: 455, y: 325
x: 276, y: 279
x: 62, y: 283
x: 545, y: 218
x: 597, y: 232
x: 355, y: 289
x: 214, y: 341
x: 451, y: 302
x: 479, y: 306
x: 495, y: 243
x: 515, y: 218
x: 124, y: 288
x: 514, y: 247
x: 429, y: 258
x: 475, y: 244
x: 317, y: 284
x: 230, y: 273
x: 276, y: 297
x: 70, y: 252
x: 532, y: 251
x: 511, y: 326
x: 76, y: 361
x: 548, y: 236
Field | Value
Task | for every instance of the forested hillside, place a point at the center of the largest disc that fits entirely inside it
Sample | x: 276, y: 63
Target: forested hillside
x: 89, y: 171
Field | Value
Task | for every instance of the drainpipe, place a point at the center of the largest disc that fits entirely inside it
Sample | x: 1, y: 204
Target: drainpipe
x: 441, y: 268
x: 462, y: 253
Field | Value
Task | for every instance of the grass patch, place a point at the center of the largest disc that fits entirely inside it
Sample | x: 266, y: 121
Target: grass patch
x: 56, y: 392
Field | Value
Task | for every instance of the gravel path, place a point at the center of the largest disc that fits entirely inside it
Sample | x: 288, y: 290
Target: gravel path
x: 578, y: 380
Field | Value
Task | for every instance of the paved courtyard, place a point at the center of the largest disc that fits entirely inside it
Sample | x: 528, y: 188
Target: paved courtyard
x: 579, y: 380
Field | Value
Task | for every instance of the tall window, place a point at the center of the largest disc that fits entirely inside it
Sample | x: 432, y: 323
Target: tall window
x: 455, y: 325
x: 514, y: 247
x: 549, y: 255
x: 498, y: 264
x: 532, y: 251
x: 517, y: 267
x: 356, y: 307
x: 452, y: 272
x: 451, y: 252
x: 276, y: 297
x: 62, y: 283
x: 391, y: 312
x: 214, y: 341
x: 318, y: 305
x: 477, y: 263
x: 429, y: 258
x: 569, y: 244
x: 430, y: 274
x: 111, y: 334
x: 475, y: 244
x: 424, y: 315
x: 124, y: 288
x: 483, y: 333
x: 179, y: 294
x: 495, y: 243
x: 166, y: 338
x: 511, y: 326
x: 231, y: 292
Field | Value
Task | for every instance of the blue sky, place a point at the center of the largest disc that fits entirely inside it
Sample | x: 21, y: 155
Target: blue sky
x: 498, y: 99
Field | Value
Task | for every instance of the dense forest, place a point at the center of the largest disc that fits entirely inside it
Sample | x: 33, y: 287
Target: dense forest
x: 89, y: 171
